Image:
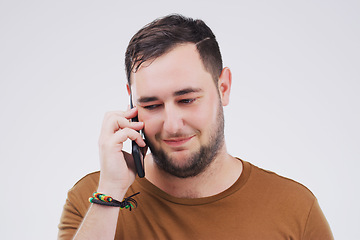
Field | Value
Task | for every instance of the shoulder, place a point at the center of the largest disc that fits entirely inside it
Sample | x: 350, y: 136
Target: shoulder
x: 86, y: 185
x: 272, y: 178
x: 292, y: 206
x: 280, y: 188
x: 79, y: 194
x: 90, y: 180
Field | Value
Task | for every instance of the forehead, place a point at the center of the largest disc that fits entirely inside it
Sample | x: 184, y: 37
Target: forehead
x: 180, y: 68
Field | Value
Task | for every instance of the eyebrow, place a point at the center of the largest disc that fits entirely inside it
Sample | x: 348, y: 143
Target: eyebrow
x: 186, y: 91
x: 175, y: 94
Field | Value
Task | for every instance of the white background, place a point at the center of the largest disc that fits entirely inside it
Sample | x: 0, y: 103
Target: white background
x: 294, y: 106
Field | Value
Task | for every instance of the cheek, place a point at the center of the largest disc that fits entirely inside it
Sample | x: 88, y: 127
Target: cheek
x: 204, y: 115
x: 152, y: 124
x: 199, y: 118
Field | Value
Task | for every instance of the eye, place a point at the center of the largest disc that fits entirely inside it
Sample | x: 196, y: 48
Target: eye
x: 187, y: 101
x: 152, y: 107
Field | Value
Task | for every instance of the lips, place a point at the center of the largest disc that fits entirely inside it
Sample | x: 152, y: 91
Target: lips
x: 177, y: 142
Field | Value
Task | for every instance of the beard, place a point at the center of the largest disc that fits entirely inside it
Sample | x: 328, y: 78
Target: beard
x: 198, y: 161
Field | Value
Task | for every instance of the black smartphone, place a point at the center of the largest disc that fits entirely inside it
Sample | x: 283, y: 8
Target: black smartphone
x: 135, y: 150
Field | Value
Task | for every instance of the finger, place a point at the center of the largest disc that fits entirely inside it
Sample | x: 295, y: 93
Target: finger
x: 128, y: 133
x: 121, y: 135
x: 144, y: 150
x: 109, y: 122
x: 113, y: 121
x: 131, y: 113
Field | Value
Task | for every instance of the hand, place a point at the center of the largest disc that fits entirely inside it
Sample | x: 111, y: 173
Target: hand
x: 117, y: 167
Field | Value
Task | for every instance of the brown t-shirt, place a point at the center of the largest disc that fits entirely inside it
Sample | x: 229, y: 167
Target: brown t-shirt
x: 259, y: 205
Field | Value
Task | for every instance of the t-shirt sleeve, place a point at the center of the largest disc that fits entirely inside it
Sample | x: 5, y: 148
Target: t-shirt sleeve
x: 76, y: 206
x: 317, y: 226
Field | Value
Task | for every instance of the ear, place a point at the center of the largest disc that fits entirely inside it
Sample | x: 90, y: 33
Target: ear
x: 224, y: 85
x: 128, y: 89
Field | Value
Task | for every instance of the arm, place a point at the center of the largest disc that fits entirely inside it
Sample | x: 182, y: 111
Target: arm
x: 317, y: 226
x: 117, y: 173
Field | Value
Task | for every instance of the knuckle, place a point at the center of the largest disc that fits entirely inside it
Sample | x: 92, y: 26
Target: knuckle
x: 113, y: 114
x: 108, y: 115
x: 130, y: 133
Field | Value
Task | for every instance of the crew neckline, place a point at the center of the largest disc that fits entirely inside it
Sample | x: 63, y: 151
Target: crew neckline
x: 151, y: 189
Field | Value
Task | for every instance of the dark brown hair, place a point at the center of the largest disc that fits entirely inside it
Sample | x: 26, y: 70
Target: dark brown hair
x: 163, y: 34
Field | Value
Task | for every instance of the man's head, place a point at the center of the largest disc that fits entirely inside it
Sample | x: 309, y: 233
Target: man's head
x: 177, y: 99
x: 162, y: 35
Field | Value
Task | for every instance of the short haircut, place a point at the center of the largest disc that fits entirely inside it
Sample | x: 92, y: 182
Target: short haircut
x: 164, y: 34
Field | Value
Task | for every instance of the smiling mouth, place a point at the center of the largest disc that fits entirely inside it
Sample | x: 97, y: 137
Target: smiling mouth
x: 177, y: 142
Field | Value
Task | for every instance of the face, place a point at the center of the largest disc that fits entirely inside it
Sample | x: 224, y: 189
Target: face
x: 181, y: 108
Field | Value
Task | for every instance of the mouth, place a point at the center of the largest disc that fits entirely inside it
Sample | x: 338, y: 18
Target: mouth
x: 177, y: 142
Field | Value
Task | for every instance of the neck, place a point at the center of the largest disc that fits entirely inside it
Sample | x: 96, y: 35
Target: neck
x: 218, y: 176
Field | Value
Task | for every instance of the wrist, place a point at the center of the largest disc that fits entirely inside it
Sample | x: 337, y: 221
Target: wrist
x: 111, y: 189
x: 102, y: 199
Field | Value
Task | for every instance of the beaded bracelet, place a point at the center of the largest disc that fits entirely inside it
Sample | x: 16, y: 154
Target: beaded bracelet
x: 102, y: 199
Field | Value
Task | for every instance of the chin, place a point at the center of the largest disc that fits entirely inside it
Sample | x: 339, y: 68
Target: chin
x: 180, y: 159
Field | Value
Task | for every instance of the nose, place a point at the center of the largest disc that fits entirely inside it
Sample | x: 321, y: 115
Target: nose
x: 173, y: 119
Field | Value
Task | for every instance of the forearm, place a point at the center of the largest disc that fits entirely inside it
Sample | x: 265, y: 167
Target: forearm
x: 100, y: 221
x: 117, y: 173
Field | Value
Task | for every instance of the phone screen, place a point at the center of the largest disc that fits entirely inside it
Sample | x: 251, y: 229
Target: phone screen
x: 135, y: 150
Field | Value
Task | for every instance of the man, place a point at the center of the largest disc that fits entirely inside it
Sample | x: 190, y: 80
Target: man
x: 193, y: 188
